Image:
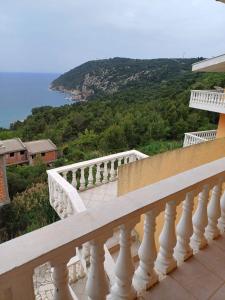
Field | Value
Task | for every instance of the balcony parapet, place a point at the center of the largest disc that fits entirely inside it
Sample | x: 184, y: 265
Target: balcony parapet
x: 208, y: 100
x: 192, y: 138
x: 66, y: 181
x: 56, y: 243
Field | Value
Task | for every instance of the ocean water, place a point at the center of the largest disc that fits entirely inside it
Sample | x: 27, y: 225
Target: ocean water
x: 20, y: 92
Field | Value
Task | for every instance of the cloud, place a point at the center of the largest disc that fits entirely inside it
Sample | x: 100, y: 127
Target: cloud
x: 55, y: 35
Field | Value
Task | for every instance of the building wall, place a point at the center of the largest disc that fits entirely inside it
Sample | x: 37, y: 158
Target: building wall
x: 221, y: 126
x: 48, y: 157
x: 150, y: 170
x: 16, y: 159
x: 3, y: 182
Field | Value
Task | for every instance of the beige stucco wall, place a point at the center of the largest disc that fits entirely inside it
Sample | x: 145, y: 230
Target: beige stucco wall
x: 221, y: 127
x: 150, y: 170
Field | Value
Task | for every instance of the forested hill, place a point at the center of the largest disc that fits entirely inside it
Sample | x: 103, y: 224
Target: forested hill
x: 152, y: 108
x: 108, y: 76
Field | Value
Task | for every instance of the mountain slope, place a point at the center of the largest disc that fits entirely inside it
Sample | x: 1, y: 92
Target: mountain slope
x: 108, y: 76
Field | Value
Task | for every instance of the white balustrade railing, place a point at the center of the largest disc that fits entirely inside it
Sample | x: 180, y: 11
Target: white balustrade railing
x: 208, y: 100
x: 56, y: 243
x: 65, y: 182
x: 192, y: 138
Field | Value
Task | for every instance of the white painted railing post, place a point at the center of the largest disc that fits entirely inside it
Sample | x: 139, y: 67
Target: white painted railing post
x: 145, y: 275
x: 74, y: 178
x: 213, y: 210
x: 200, y: 220
x: 82, y: 179
x: 124, y: 270
x: 221, y: 221
x: 98, y: 175
x: 184, y: 230
x: 90, y: 177
x: 112, y: 170
x: 65, y: 175
x: 97, y: 286
x: 62, y: 289
x: 165, y: 261
x: 105, y: 172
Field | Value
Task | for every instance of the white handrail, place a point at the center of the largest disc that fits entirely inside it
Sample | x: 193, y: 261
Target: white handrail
x: 53, y: 242
x: 197, y: 137
x: 102, y: 159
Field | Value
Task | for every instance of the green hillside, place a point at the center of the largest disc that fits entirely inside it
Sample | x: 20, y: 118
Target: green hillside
x: 150, y: 115
x: 112, y: 75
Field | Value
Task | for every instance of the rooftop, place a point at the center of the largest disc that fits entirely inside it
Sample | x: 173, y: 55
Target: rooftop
x: 13, y: 145
x: 39, y: 146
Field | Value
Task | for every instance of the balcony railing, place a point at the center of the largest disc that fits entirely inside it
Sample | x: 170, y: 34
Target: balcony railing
x: 55, y: 244
x: 192, y: 138
x: 208, y: 100
x: 66, y: 181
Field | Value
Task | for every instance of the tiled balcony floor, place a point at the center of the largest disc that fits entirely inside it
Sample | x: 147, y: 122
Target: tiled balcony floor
x: 202, y: 277
x: 99, y: 195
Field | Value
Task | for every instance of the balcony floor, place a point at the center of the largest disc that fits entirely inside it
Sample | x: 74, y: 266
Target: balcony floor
x: 201, y: 277
x: 99, y: 195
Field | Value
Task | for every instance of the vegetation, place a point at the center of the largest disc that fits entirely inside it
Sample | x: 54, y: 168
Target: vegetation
x: 28, y: 211
x: 149, y: 114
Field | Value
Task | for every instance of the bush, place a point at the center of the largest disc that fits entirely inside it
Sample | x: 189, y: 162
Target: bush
x: 28, y: 211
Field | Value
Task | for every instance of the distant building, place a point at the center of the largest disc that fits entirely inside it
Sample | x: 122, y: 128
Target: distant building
x: 16, y: 152
x: 4, y: 196
x: 45, y: 149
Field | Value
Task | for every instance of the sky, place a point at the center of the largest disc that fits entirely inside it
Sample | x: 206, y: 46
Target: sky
x: 57, y: 35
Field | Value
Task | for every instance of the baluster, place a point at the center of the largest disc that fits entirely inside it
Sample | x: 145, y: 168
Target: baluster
x: 98, y: 175
x: 145, y: 275
x: 221, y: 221
x: 184, y: 230
x: 90, y: 177
x: 97, y: 286
x: 112, y: 170
x: 82, y: 179
x: 200, y: 220
x: 124, y: 270
x: 119, y: 164
x: 23, y: 287
x: 165, y: 262
x: 213, y: 211
x: 105, y: 172
x: 131, y: 158
x: 65, y: 174
x: 61, y: 278
x: 126, y: 160
x: 74, y: 178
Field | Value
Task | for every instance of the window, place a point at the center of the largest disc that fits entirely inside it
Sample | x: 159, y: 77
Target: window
x: 22, y: 152
x: 11, y: 154
x: 33, y: 156
x: 42, y: 154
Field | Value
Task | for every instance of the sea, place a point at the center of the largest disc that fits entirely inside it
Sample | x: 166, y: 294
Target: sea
x: 20, y: 92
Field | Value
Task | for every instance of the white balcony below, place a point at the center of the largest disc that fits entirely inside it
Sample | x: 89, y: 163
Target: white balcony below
x: 208, y: 100
x: 192, y: 138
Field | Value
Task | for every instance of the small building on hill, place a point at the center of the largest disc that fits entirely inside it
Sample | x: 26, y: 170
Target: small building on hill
x: 14, y: 151
x: 4, y: 196
x: 46, y: 150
